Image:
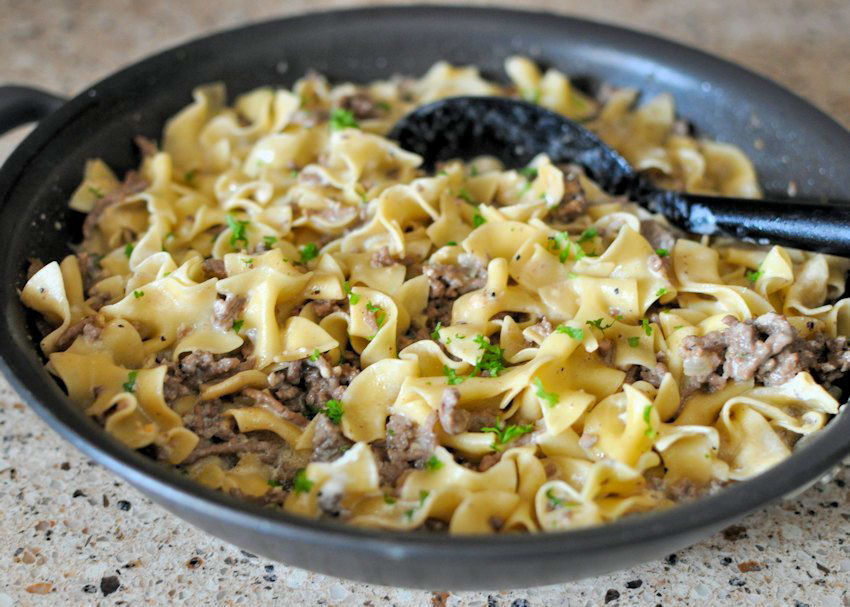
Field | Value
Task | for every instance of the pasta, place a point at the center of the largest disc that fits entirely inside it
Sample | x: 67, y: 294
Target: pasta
x: 283, y: 305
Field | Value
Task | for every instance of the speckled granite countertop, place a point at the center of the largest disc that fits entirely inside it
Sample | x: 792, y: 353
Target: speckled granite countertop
x: 73, y: 534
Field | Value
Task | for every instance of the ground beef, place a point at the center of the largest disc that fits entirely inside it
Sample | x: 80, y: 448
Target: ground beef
x: 328, y: 441
x: 227, y: 310
x: 652, y: 375
x: 543, y: 326
x: 574, y: 202
x: 324, y: 307
x: 214, y: 268
x: 263, y: 399
x: 305, y: 386
x: 89, y: 269
x: 415, y: 334
x: 363, y: 106
x: 146, y: 146
x: 606, y: 351
x: 448, y: 282
x: 237, y: 444
x: 202, y: 366
x: 133, y: 184
x: 767, y: 349
x: 90, y: 327
x: 206, y: 420
x: 409, y: 442
x: 455, y: 420
x: 658, y: 235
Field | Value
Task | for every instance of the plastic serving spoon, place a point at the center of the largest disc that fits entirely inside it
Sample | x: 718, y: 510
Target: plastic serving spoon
x: 516, y: 131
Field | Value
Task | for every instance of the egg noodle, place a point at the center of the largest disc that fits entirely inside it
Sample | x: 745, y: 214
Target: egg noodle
x: 283, y: 305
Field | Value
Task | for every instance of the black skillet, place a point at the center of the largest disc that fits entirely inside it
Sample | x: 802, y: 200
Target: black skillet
x: 799, y: 144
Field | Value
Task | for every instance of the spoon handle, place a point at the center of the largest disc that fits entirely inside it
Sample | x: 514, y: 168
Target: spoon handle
x: 804, y: 224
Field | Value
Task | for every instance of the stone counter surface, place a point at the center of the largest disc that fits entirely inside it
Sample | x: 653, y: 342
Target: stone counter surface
x: 73, y: 534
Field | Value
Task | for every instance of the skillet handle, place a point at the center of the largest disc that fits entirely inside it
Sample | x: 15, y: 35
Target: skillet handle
x: 21, y: 104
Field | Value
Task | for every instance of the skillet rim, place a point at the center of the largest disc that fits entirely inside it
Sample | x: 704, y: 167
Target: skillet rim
x: 804, y: 466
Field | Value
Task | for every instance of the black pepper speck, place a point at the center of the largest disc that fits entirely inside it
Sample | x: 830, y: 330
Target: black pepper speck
x: 109, y: 584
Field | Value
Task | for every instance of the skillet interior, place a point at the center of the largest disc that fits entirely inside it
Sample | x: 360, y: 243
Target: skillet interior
x: 800, y: 144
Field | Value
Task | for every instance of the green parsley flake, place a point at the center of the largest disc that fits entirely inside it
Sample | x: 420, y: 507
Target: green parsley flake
x: 128, y: 250
x: 301, y: 484
x: 588, y: 234
x: 190, y: 175
x: 237, y: 231
x: 491, y: 360
x: 273, y: 483
x: 237, y: 325
x: 270, y: 240
x: 478, y: 220
x: 661, y: 292
x: 571, y: 331
x: 647, y: 328
x: 309, y: 251
x: 435, y: 334
x: 442, y: 173
x: 506, y: 434
x: 634, y: 342
x: 454, y: 379
x: 432, y: 464
x: 130, y: 384
x: 473, y: 171
x: 549, y: 397
x: 389, y: 499
x: 293, y: 173
x: 464, y: 195
x: 342, y: 119
x: 138, y: 294
x: 247, y: 260
x: 315, y: 355
x: 646, y: 413
x: 599, y: 324
x: 333, y: 409
x: 352, y: 297
x: 377, y: 312
x: 753, y: 276
x: 96, y: 192
x: 557, y: 502
x: 662, y: 252
x: 561, y: 242
x: 530, y: 173
x: 451, y: 243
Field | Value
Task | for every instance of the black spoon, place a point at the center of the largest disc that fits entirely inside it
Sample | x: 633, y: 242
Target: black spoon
x: 516, y: 131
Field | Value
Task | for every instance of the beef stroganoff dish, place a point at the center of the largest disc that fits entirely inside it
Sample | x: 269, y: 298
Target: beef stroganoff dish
x: 281, y: 304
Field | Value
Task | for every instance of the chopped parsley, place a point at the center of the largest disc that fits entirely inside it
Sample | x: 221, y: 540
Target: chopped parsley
x: 557, y: 502
x: 342, y: 119
x: 333, y: 409
x: 293, y: 173
x: 433, y: 464
x: 442, y: 173
x: 237, y: 325
x: 273, y: 483
x: 530, y: 173
x: 315, y: 355
x: 662, y: 252
x: 389, y: 499
x: 301, y: 484
x: 309, y: 251
x: 599, y: 324
x: 138, y: 294
x: 377, y: 312
x: 588, y: 234
x: 237, y: 231
x: 661, y: 292
x: 190, y: 175
x: 644, y: 323
x: 454, y: 379
x: 646, y: 413
x: 423, y: 495
x: 561, y: 242
x: 634, y: 342
x: 247, y: 260
x: 464, y: 195
x: 571, y: 331
x: 128, y: 250
x: 96, y: 191
x: 491, y: 359
x: 753, y: 276
x: 270, y: 240
x: 506, y: 434
x: 352, y: 297
x: 451, y: 243
x: 435, y: 334
x: 130, y: 384
x: 550, y: 398
x: 473, y: 171
x: 478, y: 220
